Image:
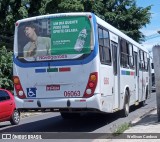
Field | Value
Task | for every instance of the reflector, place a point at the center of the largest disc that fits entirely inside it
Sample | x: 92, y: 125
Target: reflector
x: 91, y: 84
x: 18, y: 87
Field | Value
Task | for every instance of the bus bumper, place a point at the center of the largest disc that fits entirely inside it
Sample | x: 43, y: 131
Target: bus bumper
x: 60, y: 104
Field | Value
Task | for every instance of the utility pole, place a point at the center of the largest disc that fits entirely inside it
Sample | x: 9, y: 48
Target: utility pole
x: 156, y: 61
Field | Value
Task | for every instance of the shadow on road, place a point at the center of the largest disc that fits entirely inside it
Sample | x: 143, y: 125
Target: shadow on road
x: 87, y: 123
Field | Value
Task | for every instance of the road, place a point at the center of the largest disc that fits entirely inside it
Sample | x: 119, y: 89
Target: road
x: 93, y: 123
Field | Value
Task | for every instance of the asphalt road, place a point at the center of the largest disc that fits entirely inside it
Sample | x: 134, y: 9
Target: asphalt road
x: 92, y: 123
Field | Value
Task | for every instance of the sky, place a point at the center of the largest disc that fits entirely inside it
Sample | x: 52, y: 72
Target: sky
x: 154, y: 26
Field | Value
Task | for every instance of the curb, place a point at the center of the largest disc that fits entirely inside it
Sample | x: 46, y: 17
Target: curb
x: 133, y: 123
x: 28, y: 114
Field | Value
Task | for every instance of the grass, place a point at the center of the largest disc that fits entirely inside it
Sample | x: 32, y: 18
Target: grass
x: 121, y: 129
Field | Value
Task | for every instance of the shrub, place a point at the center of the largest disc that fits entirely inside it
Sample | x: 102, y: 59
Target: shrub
x: 6, y: 69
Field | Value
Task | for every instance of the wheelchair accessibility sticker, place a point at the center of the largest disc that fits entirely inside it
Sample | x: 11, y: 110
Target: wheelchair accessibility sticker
x: 31, y: 92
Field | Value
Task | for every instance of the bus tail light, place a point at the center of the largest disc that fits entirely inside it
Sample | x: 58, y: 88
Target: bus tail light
x: 89, y: 16
x: 16, y: 24
x: 18, y: 87
x: 91, y: 85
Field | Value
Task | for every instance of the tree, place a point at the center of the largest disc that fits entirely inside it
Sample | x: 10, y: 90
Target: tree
x: 10, y: 11
x: 123, y: 14
x: 95, y: 7
x: 126, y: 16
x: 6, y: 69
x: 69, y: 6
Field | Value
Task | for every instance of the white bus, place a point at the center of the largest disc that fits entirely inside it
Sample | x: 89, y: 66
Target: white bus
x: 77, y: 62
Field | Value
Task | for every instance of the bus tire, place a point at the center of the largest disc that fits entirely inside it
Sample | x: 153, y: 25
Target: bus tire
x: 125, y: 111
x: 143, y: 103
x: 67, y: 115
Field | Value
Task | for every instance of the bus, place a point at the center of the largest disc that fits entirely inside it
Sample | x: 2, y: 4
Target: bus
x: 76, y: 62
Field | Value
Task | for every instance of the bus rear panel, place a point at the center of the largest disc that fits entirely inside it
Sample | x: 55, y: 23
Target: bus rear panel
x: 57, y: 70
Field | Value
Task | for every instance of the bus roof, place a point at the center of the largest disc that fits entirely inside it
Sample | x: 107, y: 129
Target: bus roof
x: 54, y: 15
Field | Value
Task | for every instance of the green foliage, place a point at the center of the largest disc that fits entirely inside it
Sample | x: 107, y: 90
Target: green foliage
x: 69, y: 6
x: 120, y: 129
x: 123, y: 14
x: 6, y: 69
x: 126, y: 16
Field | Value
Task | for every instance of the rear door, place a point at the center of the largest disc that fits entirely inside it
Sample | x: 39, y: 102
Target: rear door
x: 136, y: 75
x: 140, y: 75
x: 106, y: 69
x: 116, y: 70
x: 115, y: 73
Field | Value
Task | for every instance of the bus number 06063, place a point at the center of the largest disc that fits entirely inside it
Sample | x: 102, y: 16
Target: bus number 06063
x: 71, y: 93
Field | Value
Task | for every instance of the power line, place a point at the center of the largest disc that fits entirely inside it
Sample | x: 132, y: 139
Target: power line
x: 152, y: 36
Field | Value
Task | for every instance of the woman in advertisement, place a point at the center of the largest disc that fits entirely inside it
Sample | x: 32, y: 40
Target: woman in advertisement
x: 37, y: 45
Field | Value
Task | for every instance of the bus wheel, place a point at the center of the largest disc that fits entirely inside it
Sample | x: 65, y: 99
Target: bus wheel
x: 126, y: 105
x: 67, y: 115
x: 143, y: 103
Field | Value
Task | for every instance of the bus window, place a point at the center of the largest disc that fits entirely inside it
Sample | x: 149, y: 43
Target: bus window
x: 104, y: 48
x: 100, y: 36
x: 124, y: 53
x: 131, y: 60
x: 152, y: 65
x: 114, y: 56
x: 136, y: 62
x: 141, y: 61
x: 106, y: 38
x: 145, y: 61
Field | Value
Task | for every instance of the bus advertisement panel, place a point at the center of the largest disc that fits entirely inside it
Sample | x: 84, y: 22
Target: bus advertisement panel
x: 42, y: 39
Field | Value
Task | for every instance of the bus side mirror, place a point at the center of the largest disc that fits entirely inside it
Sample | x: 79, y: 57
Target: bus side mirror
x: 152, y: 65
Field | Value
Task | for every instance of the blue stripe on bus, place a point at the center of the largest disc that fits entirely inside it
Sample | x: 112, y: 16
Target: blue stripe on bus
x: 123, y: 72
x: 40, y: 70
x: 66, y: 62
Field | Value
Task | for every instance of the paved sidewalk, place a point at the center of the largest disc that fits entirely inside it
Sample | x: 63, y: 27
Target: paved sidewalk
x: 148, y: 125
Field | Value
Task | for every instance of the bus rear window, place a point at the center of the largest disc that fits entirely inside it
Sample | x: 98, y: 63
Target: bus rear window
x: 54, y: 38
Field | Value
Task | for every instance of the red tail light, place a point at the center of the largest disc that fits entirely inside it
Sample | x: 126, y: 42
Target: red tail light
x: 16, y: 23
x: 91, y: 85
x: 18, y: 87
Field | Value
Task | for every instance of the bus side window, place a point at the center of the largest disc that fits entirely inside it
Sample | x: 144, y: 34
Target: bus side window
x: 152, y: 65
x: 145, y: 62
x: 104, y: 48
x: 100, y: 39
x: 124, y: 54
x: 131, y: 58
x: 141, y: 60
